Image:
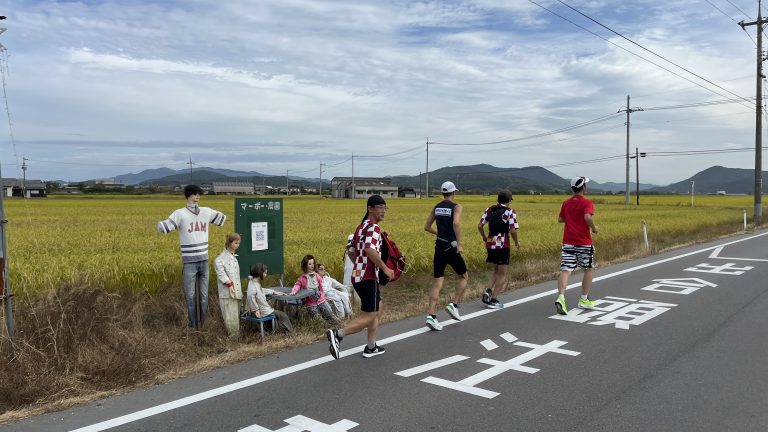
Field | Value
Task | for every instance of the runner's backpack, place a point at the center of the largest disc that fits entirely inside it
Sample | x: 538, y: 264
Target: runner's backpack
x: 392, y: 257
x: 496, y: 222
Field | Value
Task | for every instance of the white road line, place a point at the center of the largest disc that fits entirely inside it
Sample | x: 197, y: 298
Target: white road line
x: 716, y: 254
x: 158, y: 409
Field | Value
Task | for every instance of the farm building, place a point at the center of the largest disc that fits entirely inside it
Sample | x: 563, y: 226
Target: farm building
x: 342, y: 187
x: 18, y: 188
x: 245, y: 188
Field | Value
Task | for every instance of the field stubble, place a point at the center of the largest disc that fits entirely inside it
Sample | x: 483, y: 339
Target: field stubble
x: 98, y: 299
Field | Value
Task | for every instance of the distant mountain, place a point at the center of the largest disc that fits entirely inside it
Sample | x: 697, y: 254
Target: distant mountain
x: 714, y: 179
x: 620, y: 187
x: 484, y: 178
x: 159, y: 173
x: 203, y: 175
x: 134, y: 179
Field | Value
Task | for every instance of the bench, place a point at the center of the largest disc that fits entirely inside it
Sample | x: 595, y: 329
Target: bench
x: 252, y: 319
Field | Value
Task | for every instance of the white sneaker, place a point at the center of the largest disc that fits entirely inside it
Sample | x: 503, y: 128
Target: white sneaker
x: 453, y: 311
x: 433, y: 323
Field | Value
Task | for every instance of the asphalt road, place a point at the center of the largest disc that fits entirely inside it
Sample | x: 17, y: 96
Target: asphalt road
x: 677, y: 343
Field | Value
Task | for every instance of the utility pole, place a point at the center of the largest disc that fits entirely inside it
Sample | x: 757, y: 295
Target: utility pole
x: 427, y: 172
x: 629, y: 111
x: 353, y: 176
x: 5, y: 284
x: 637, y: 157
x: 190, y: 169
x: 321, y: 179
x: 24, y: 179
x: 287, y: 190
x: 758, y: 113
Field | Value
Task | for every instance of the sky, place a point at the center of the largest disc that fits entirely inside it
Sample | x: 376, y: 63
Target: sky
x: 96, y: 89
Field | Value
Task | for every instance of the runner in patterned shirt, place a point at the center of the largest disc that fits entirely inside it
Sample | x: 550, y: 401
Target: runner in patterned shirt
x: 502, y: 225
x: 365, y: 251
x: 576, y: 213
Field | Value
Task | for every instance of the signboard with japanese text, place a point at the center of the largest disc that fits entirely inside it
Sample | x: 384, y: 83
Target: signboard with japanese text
x: 259, y: 221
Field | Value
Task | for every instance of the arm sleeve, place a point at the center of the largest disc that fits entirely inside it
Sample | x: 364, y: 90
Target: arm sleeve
x: 513, y: 220
x: 217, y: 217
x: 221, y: 273
x: 298, y: 285
x: 170, y: 224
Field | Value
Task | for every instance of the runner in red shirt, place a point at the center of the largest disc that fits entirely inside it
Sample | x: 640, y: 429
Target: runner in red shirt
x: 576, y: 213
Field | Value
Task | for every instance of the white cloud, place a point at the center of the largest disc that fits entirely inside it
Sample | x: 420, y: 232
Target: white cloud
x: 149, y: 84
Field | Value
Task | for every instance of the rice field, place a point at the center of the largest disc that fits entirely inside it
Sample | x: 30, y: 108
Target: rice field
x: 111, y: 242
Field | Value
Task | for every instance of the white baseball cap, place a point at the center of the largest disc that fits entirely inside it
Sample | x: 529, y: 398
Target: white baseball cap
x: 448, y: 187
x: 578, y: 182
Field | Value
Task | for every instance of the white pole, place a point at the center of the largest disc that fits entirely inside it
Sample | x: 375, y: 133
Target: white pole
x: 745, y: 220
x: 693, y: 183
x: 645, y: 235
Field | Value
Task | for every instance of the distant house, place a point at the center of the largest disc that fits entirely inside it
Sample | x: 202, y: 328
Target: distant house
x: 409, y: 192
x: 104, y: 184
x: 362, y: 187
x: 261, y: 189
x: 237, y: 188
x: 20, y: 188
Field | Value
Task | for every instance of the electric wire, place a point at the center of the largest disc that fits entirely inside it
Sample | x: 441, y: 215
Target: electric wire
x: 646, y: 49
x: 539, y: 135
x: 628, y: 51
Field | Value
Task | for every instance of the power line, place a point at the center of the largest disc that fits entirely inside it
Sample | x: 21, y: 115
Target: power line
x: 419, y: 147
x: 646, y: 49
x: 539, y: 135
x: 733, y: 19
x: 628, y: 51
x: 695, y: 104
x: 721, y: 11
x: 738, y: 9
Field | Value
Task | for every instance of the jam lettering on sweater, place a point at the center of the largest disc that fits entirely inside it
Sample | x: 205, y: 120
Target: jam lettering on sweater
x: 193, y: 230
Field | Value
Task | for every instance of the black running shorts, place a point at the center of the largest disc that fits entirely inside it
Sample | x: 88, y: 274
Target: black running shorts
x: 444, y: 258
x: 369, y: 293
x: 498, y: 256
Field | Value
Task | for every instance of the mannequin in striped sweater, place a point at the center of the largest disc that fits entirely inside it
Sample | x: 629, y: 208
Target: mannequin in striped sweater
x: 192, y: 222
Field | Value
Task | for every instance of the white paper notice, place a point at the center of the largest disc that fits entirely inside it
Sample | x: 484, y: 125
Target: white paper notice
x: 259, y: 236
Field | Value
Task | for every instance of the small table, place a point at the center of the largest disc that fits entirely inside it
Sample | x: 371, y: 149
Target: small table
x: 296, y: 300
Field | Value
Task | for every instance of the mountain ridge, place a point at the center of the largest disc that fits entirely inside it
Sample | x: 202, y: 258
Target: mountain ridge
x: 480, y: 178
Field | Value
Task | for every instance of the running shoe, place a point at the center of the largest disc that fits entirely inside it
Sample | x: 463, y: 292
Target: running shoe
x: 487, y: 295
x: 334, y: 343
x: 433, y: 323
x: 495, y: 304
x: 367, y: 352
x: 586, y: 303
x: 453, y: 311
x: 560, y: 306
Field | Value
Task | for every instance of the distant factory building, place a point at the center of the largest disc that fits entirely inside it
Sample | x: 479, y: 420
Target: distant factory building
x: 363, y: 187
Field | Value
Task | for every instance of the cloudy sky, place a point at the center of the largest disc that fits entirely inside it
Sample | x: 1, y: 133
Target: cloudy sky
x: 102, y: 88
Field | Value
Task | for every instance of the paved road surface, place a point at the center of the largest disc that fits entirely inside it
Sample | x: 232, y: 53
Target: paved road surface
x: 677, y: 343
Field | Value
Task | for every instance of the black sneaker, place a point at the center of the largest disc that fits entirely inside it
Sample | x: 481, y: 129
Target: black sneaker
x: 487, y: 296
x: 334, y: 343
x: 367, y: 352
x: 495, y: 304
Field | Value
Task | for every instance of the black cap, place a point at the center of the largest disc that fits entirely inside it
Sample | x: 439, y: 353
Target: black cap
x: 375, y: 200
